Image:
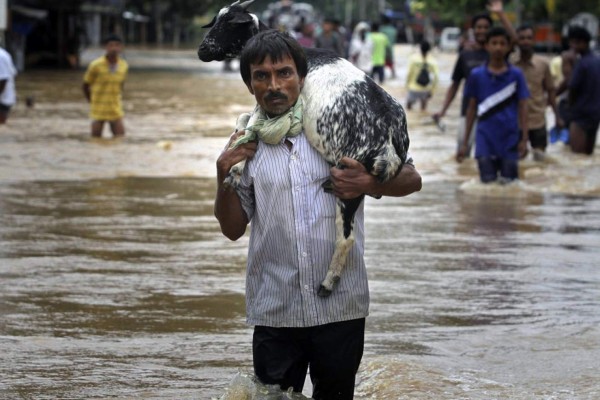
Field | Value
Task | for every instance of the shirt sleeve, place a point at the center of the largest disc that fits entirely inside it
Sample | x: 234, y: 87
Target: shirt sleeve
x: 245, y: 192
x: 90, y: 74
x: 4, y: 69
x: 522, y: 90
x: 471, y: 86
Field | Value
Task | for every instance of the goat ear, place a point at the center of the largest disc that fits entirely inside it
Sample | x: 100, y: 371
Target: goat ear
x: 209, y: 25
x: 241, y: 19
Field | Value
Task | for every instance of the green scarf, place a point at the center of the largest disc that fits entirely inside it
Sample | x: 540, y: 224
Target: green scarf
x: 271, y: 131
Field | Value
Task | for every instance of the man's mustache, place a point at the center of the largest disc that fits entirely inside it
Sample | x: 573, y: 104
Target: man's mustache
x: 275, y: 96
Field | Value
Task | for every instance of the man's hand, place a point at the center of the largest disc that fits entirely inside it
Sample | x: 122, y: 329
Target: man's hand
x: 461, y: 154
x: 229, y: 157
x: 495, y: 6
x: 352, y: 180
x: 523, y: 148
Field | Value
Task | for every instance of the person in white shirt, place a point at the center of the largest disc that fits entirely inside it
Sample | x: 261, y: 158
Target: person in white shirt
x: 8, y: 95
x: 293, y: 235
x: 361, y: 48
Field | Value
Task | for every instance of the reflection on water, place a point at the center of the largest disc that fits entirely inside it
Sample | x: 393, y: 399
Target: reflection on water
x: 115, y: 280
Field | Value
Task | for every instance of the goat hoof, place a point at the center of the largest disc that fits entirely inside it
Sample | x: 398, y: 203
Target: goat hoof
x: 323, y: 291
x: 327, y: 186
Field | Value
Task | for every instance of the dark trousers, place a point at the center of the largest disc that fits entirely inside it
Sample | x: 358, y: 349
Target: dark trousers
x: 491, y: 167
x: 333, y: 352
x: 378, y: 71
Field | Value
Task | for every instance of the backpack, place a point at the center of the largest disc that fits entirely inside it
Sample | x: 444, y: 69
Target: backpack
x: 423, y: 77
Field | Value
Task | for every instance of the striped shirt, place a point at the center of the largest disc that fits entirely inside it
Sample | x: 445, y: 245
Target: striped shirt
x: 292, y: 241
x: 105, y: 85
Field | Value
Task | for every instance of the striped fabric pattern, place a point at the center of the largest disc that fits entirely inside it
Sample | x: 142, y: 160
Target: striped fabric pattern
x: 106, y: 88
x: 292, y: 241
x: 496, y: 99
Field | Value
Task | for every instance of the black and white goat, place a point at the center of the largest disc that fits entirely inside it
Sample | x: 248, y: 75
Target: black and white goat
x: 345, y: 114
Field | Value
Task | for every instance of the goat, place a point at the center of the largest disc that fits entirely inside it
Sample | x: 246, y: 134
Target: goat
x: 345, y: 114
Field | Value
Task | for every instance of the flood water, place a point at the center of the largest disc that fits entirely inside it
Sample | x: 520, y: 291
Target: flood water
x: 115, y: 281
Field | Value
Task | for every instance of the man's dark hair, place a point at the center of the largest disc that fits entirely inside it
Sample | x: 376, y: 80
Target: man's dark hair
x: 276, y: 45
x: 525, y: 27
x: 481, y: 16
x: 579, y: 33
x: 497, y: 31
x: 112, y: 38
x: 375, y: 27
x: 425, y: 47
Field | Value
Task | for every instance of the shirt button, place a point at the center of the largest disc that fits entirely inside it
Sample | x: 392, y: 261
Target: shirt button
x: 304, y: 254
x: 306, y: 287
x: 297, y: 188
x: 293, y: 157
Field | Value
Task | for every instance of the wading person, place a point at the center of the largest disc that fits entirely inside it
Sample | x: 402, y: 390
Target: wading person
x: 103, y: 85
x: 497, y: 96
x: 8, y: 95
x: 293, y: 235
x: 378, y: 55
x: 422, y: 77
x: 584, y: 94
x: 541, y: 88
x: 468, y: 59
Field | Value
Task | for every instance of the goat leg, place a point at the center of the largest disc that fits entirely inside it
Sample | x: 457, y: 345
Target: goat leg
x: 344, y: 222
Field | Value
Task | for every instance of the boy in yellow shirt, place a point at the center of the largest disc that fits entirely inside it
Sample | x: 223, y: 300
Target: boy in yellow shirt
x: 103, y: 84
x: 422, y: 77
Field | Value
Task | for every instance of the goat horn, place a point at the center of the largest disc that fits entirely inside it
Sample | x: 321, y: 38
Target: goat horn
x: 246, y: 4
x: 235, y: 4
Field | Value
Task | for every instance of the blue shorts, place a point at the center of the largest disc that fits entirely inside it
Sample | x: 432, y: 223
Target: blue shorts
x: 491, y: 167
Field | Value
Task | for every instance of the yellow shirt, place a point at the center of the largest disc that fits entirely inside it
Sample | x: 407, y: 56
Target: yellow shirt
x: 415, y: 64
x: 105, y: 87
x: 556, y: 70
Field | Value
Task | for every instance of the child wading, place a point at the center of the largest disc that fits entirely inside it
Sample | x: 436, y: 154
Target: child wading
x: 497, y: 96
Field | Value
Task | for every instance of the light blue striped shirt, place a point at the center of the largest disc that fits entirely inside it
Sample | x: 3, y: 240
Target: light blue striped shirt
x: 292, y: 240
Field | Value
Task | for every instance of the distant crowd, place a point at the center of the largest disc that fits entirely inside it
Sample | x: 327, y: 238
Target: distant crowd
x: 507, y: 86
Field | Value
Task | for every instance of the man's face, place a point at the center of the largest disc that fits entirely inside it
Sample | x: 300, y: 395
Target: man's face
x: 525, y: 38
x: 480, y: 30
x: 276, y: 86
x: 497, y: 47
x: 113, y: 48
x: 578, y: 45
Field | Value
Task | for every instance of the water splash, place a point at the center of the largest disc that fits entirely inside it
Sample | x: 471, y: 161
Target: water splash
x: 245, y: 386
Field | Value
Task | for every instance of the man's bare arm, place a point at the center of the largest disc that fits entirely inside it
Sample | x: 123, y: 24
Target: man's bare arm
x: 354, y: 180
x: 228, y: 206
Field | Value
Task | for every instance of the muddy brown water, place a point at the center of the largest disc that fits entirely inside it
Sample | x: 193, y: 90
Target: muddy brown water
x: 115, y: 281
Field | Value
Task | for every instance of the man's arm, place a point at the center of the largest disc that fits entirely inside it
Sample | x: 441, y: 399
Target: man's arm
x: 568, y: 60
x: 524, y: 128
x: 86, y: 91
x: 354, y: 180
x: 470, y: 120
x: 551, y: 94
x: 497, y: 7
x: 450, y: 94
x: 3, y: 85
x: 228, y: 206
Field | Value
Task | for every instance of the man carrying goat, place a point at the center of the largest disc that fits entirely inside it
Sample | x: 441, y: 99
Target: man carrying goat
x: 294, y: 232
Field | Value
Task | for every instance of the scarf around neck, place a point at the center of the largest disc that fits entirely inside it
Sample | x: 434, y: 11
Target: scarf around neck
x: 273, y: 130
